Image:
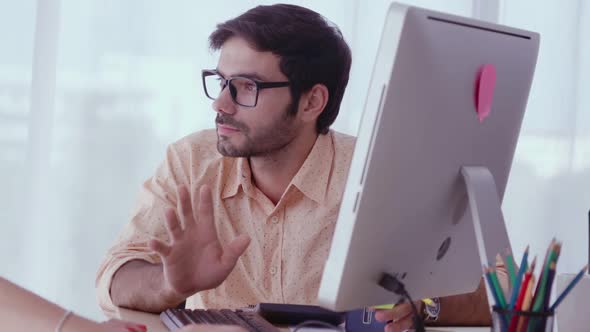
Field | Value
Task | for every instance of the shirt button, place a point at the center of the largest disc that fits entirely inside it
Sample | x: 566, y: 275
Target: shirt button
x: 273, y: 270
x: 274, y: 219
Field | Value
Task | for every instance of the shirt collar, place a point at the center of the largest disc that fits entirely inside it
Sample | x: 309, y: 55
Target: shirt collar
x: 239, y: 175
x: 311, y: 179
x: 313, y: 176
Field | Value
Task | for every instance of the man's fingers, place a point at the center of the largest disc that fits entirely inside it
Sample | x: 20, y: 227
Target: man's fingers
x: 205, y: 217
x: 383, y: 315
x: 234, y: 250
x: 159, y: 247
x: 185, y: 206
x: 398, y: 319
x: 397, y: 313
x: 172, y: 225
x: 400, y: 326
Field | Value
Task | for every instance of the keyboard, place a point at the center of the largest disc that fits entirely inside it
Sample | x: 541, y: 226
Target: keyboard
x: 174, y: 319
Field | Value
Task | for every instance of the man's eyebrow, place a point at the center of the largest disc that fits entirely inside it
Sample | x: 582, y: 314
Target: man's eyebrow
x: 253, y: 76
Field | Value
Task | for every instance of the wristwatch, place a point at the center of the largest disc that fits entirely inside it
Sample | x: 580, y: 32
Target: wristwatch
x: 432, y: 310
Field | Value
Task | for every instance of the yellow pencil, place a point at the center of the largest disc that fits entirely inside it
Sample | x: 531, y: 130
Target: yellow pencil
x: 526, y: 304
x: 390, y: 306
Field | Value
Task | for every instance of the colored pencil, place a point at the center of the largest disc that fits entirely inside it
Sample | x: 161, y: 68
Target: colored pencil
x: 498, y: 288
x: 526, y: 304
x: 568, y: 289
x: 550, y: 276
x: 487, y: 274
x: 518, y: 283
x: 511, y: 269
x: 521, y: 296
x: 540, y: 291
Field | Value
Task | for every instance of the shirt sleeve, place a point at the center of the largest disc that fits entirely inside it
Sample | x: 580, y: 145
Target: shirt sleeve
x: 148, y: 221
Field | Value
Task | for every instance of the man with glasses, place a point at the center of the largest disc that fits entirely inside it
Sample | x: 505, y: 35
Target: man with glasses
x: 245, y: 213
x: 264, y: 186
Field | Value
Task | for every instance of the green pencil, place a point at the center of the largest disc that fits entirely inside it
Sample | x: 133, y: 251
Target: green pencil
x: 498, y: 288
x: 511, y: 268
x: 540, y: 295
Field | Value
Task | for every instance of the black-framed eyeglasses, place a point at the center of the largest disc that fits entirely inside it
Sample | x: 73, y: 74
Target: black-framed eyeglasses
x: 243, y: 90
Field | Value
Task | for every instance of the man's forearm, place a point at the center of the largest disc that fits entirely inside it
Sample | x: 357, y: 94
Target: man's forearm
x: 467, y: 309
x: 139, y: 285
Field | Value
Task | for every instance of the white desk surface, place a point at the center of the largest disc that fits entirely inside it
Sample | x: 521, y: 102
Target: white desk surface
x: 154, y: 324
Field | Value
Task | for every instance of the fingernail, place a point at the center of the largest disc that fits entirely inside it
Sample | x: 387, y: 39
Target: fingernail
x: 379, y: 316
x: 142, y: 327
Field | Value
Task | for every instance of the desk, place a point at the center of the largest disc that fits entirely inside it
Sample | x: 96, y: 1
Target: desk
x: 154, y: 324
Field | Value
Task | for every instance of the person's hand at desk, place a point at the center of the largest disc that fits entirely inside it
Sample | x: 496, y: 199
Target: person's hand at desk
x: 399, y: 318
x: 194, y: 260
x: 458, y: 310
x: 21, y: 310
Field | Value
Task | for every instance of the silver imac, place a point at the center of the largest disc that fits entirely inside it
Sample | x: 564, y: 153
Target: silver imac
x: 432, y: 158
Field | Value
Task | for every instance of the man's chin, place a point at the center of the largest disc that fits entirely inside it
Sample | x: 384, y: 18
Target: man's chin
x: 225, y: 148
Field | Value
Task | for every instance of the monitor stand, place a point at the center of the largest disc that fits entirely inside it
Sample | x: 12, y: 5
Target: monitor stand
x: 486, y: 213
x: 488, y: 224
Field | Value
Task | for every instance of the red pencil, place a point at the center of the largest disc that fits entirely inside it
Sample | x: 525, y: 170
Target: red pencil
x: 526, y: 305
x: 521, y: 296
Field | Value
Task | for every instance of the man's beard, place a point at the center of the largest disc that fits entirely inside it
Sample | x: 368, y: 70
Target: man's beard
x: 264, y: 142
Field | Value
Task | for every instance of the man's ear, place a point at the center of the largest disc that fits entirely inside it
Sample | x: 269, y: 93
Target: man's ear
x: 313, y: 102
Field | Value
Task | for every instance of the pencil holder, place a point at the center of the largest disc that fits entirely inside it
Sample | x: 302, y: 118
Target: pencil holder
x: 504, y: 320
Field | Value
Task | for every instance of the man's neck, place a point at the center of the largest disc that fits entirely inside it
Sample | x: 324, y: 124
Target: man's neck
x: 273, y: 173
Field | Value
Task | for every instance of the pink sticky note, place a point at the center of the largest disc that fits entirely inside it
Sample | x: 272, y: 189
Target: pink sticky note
x: 484, y: 91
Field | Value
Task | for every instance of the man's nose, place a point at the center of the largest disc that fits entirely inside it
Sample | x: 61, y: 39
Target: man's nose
x: 224, y: 102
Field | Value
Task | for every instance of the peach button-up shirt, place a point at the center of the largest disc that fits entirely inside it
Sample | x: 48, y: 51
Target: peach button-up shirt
x: 290, y: 240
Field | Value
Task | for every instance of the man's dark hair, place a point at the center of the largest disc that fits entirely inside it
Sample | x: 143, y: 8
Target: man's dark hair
x: 311, y: 50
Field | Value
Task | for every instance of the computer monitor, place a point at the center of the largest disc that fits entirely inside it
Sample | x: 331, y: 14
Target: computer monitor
x: 420, y: 202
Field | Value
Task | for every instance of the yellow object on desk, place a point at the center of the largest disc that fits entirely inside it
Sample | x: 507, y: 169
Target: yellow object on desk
x: 390, y: 306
